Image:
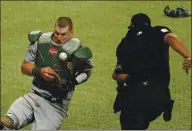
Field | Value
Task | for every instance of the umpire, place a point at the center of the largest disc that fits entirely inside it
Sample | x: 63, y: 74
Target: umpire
x: 143, y: 74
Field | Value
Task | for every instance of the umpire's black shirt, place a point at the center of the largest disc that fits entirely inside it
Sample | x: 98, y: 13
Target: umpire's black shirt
x: 144, y: 55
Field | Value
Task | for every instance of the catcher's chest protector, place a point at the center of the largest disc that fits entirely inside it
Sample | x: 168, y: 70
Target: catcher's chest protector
x: 48, y: 55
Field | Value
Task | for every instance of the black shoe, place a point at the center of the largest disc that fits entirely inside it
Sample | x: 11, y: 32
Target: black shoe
x: 3, y: 127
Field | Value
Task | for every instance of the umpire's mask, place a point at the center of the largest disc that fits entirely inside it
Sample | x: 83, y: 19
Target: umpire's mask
x: 140, y: 21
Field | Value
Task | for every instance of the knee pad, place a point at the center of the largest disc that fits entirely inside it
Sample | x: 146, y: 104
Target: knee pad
x: 13, y: 121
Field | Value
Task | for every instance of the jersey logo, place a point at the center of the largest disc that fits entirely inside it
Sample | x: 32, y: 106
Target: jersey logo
x: 69, y: 65
x: 139, y: 33
x: 164, y: 30
x: 53, y: 51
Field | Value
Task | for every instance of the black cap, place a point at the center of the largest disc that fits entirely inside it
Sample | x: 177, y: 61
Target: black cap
x: 139, y: 21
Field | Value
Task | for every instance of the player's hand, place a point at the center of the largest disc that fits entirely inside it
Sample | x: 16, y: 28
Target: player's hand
x: 187, y: 64
x: 47, y: 73
x: 120, y: 77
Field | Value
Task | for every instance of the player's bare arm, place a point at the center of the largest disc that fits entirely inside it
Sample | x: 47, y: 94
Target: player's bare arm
x: 178, y: 46
x: 26, y: 68
x: 47, y: 73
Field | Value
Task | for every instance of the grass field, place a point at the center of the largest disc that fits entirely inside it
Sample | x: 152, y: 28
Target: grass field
x: 99, y: 25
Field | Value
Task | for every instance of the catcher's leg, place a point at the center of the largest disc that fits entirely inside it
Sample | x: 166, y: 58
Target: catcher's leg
x: 48, y: 116
x: 19, y: 114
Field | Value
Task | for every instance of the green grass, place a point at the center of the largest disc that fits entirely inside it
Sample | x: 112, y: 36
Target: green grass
x: 99, y: 25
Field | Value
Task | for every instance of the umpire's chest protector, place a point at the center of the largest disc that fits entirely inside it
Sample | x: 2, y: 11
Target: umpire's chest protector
x: 143, y: 52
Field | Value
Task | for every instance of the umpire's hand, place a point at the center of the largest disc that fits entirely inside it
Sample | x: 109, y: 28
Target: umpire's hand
x: 187, y: 64
x: 47, y: 73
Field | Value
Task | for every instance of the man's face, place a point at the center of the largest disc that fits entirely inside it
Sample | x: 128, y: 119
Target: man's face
x: 61, y: 35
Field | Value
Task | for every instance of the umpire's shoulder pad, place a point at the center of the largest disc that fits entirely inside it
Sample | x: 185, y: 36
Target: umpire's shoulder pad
x: 83, y: 53
x: 34, y: 36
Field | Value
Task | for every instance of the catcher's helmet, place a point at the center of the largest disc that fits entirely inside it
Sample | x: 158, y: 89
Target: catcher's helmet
x: 140, y: 21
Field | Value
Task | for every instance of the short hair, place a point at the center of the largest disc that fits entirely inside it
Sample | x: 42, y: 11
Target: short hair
x: 63, y: 22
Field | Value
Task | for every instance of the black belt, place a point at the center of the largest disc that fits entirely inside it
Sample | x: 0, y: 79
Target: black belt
x: 48, y: 98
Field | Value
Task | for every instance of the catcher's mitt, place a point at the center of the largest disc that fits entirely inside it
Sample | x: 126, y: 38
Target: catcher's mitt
x: 63, y: 77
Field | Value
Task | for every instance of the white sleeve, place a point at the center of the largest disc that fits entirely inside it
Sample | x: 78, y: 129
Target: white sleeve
x: 31, y: 53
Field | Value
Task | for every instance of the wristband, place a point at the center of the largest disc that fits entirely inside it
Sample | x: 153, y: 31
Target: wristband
x: 81, y: 78
x: 36, y: 71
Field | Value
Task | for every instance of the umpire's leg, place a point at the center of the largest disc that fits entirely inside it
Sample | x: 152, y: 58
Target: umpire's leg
x: 131, y: 119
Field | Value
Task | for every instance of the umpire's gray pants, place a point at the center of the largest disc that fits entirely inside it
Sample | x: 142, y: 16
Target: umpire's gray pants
x: 33, y: 108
